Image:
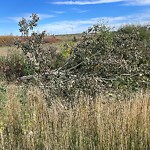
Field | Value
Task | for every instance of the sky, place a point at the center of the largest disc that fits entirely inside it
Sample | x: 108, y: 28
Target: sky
x: 72, y: 16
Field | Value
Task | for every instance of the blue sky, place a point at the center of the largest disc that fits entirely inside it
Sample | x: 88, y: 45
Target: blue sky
x: 72, y: 16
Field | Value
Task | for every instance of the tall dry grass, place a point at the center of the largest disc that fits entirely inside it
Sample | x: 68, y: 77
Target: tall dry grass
x: 101, y: 125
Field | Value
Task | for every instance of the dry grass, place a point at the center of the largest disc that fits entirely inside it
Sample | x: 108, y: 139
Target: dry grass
x: 6, y: 40
x: 4, y: 51
x: 102, y: 125
x: 9, y: 40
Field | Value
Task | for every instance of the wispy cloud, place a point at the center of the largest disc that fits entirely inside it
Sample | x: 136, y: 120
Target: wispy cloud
x: 87, y: 2
x: 77, y: 10
x: 15, y: 19
x: 137, y: 2
x: 45, y: 16
x: 5, y: 20
x: 78, y: 26
x: 92, y: 2
x: 65, y: 27
x: 58, y: 12
x: 27, y: 16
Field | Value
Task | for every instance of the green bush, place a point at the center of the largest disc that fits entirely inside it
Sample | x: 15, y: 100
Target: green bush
x: 14, y: 66
x: 102, y: 61
x: 143, y: 31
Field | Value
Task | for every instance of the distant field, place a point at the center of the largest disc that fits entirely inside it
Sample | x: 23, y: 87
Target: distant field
x: 7, y: 42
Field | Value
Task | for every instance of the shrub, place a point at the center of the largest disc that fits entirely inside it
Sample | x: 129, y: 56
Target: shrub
x: 143, y: 31
x: 102, y: 61
x: 15, y: 65
x: 43, y: 58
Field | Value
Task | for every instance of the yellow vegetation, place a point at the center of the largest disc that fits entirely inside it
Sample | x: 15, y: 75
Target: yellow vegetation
x: 103, y: 124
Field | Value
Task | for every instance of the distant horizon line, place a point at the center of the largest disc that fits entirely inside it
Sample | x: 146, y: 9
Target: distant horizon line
x: 63, y: 34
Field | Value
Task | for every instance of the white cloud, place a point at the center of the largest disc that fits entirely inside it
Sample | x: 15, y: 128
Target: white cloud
x: 80, y: 11
x: 90, y: 2
x: 78, y: 26
x: 15, y: 19
x: 87, y: 2
x: 75, y: 26
x: 58, y: 12
x: 27, y: 16
x: 45, y: 16
x: 137, y: 2
x: 64, y: 27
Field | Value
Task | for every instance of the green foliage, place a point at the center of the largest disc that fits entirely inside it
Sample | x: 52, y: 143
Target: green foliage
x: 143, y: 31
x: 15, y: 65
x: 119, y: 59
x: 3, y: 97
x: 103, y: 60
x: 41, y: 58
x: 132, y: 49
x: 94, y: 45
x: 66, y: 49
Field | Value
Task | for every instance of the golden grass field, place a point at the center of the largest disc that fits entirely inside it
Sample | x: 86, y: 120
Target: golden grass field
x: 28, y: 123
x: 102, y: 125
